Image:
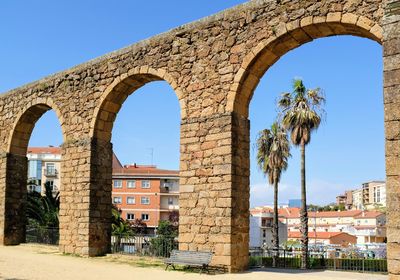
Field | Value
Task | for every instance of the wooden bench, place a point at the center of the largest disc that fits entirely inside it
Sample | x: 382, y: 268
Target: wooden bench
x: 190, y: 259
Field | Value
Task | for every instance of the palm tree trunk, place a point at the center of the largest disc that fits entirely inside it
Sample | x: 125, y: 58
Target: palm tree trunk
x: 303, y: 211
x: 275, y: 228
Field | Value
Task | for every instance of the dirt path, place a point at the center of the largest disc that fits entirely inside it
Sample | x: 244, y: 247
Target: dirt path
x: 45, y: 263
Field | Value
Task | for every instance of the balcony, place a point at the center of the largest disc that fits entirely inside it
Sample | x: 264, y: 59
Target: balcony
x: 169, y: 188
x: 51, y: 172
x: 169, y: 207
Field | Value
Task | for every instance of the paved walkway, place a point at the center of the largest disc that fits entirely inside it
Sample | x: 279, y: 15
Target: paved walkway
x: 44, y: 263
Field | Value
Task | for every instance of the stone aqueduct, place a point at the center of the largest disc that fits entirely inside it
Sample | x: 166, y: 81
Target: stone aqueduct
x: 214, y: 66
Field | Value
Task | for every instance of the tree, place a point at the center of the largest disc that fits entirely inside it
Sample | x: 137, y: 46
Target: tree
x: 42, y: 216
x: 120, y: 228
x: 273, y: 151
x: 42, y: 211
x: 301, y: 113
x: 164, y: 242
x: 139, y: 227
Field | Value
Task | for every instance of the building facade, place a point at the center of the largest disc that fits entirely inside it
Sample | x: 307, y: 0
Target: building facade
x: 326, y: 238
x: 365, y: 226
x: 146, y: 193
x: 370, y: 196
x: 261, y: 222
x: 44, y: 166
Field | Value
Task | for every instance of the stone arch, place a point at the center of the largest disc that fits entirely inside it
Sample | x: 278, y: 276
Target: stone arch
x: 12, y: 227
x: 287, y: 37
x: 116, y: 93
x: 25, y: 122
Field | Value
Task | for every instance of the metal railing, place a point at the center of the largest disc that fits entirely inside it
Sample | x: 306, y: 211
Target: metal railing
x: 317, y: 260
x: 51, y: 172
x: 42, y: 235
x: 143, y: 245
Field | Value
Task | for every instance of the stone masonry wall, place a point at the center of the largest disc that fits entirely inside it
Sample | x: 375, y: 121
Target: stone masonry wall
x: 391, y: 48
x: 213, y: 65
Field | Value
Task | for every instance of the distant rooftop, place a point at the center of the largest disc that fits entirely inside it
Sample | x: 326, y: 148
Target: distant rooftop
x: 44, y: 150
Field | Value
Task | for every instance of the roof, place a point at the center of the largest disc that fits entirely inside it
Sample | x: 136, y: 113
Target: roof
x: 318, y: 235
x: 295, y: 213
x: 44, y: 150
x: 369, y: 215
x: 144, y: 171
x: 333, y: 214
x: 115, y: 162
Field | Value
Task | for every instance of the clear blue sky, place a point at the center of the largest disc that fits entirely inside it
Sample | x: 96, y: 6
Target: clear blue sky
x: 43, y: 37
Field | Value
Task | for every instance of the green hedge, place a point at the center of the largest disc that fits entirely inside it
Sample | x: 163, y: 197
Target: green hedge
x: 370, y: 265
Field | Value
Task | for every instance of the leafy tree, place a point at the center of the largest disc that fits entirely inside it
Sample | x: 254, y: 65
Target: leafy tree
x: 174, y: 218
x: 164, y: 242
x: 139, y: 227
x: 42, y: 211
x: 119, y: 226
x: 272, y: 158
x: 301, y: 115
x: 42, y: 216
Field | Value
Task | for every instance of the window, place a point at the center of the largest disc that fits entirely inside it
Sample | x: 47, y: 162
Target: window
x: 130, y: 216
x: 145, y: 217
x: 170, y: 201
x: 145, y: 184
x: 117, y: 200
x: 130, y: 200
x: 50, y: 169
x: 51, y: 184
x: 145, y: 200
x: 131, y: 184
x: 117, y: 184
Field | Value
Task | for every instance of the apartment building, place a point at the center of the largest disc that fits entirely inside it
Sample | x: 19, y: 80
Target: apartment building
x: 44, y: 165
x: 145, y: 192
x: 370, y: 227
x: 370, y: 196
x: 345, y: 199
x: 326, y: 238
x: 261, y: 221
x: 365, y: 226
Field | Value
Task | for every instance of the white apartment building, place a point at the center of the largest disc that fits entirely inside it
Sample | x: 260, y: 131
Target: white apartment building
x: 366, y: 226
x: 44, y: 165
x: 261, y: 221
x: 370, y: 196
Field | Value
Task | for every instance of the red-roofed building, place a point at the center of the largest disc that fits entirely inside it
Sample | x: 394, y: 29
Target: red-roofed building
x: 326, y: 238
x: 261, y: 221
x: 140, y: 191
x: 44, y: 164
x: 145, y: 192
x: 367, y: 226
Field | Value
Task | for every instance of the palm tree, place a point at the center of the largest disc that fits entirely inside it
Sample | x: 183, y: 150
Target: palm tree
x: 272, y: 156
x: 301, y: 114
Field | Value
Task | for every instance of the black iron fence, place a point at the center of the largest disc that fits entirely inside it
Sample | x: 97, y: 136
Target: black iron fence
x: 144, y: 245
x: 317, y: 260
x: 42, y: 235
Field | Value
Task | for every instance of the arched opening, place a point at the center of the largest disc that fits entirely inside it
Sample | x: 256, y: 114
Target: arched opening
x: 141, y: 117
x: 267, y: 54
x: 33, y: 177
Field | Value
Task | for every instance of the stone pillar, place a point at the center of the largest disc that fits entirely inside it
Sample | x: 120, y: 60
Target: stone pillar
x: 13, y: 190
x: 85, y: 214
x: 214, y: 188
x: 391, y: 50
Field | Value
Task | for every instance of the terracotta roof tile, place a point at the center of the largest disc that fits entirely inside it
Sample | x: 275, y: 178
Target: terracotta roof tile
x: 44, y: 150
x: 319, y: 235
x: 369, y: 215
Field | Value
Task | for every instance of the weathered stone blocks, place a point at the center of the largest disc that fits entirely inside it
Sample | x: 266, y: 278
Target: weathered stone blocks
x: 213, y: 65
